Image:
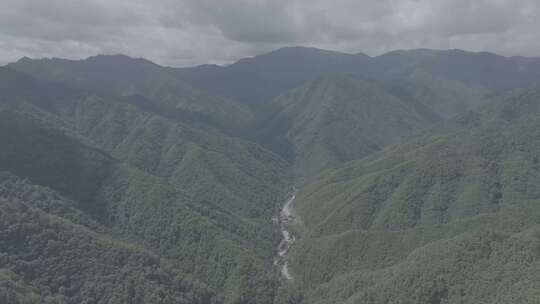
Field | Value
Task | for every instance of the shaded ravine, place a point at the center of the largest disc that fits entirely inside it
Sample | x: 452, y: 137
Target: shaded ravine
x: 285, y: 218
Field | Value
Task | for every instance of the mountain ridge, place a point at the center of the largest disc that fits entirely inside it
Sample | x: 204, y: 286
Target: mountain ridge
x: 164, y: 185
x: 463, y: 182
x: 405, y: 165
x: 285, y: 49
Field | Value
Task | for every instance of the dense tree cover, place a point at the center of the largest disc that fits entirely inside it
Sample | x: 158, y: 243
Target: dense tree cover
x: 337, y: 119
x: 195, y: 160
x: 481, y: 267
x: 264, y: 77
x: 445, y: 97
x: 13, y: 291
x: 476, y: 69
x: 49, y: 158
x: 261, y: 78
x: 194, y: 243
x: 455, y: 206
x: 48, y: 259
x: 141, y: 81
x: 54, y: 253
x: 125, y: 182
x: 208, y: 212
x: 462, y: 168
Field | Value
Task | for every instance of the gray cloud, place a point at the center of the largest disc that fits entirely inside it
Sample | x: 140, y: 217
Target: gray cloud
x: 187, y: 32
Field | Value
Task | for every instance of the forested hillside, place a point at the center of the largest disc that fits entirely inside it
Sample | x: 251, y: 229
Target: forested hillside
x: 142, y: 82
x: 413, y: 178
x: 462, y: 193
x: 264, y: 77
x: 200, y: 199
x: 337, y: 119
x: 50, y: 255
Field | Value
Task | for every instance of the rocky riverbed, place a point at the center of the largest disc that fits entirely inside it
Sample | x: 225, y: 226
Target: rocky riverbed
x: 285, y: 218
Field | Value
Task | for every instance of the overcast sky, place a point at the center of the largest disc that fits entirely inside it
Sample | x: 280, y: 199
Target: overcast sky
x: 189, y: 32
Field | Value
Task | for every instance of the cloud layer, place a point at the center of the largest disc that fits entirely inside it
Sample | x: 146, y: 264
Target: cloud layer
x: 188, y: 32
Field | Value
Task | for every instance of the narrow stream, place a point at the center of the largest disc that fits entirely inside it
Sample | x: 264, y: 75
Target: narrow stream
x: 285, y: 218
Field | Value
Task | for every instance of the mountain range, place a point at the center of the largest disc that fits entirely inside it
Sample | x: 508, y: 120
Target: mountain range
x: 415, y: 174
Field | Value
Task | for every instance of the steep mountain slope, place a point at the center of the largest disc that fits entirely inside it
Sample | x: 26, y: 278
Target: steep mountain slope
x: 474, y: 267
x: 263, y: 77
x: 463, y: 76
x: 124, y: 181
x: 486, y: 70
x: 446, y: 97
x: 192, y: 159
x: 141, y: 81
x: 461, y: 194
x: 454, y: 81
x: 201, y: 199
x: 61, y: 245
x: 337, y: 119
x: 50, y: 257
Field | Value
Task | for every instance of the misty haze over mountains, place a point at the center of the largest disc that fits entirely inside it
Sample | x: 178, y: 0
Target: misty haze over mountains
x: 409, y: 177
x: 272, y: 73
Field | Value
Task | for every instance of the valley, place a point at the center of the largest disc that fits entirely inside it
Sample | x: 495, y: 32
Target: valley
x: 416, y: 179
x: 285, y: 218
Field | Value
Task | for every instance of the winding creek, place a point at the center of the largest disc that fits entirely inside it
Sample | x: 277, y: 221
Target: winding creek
x: 285, y: 218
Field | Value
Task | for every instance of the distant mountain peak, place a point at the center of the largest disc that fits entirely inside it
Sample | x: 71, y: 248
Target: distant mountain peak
x: 25, y: 58
x: 437, y: 52
x: 118, y: 58
x: 306, y: 51
x: 100, y: 58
